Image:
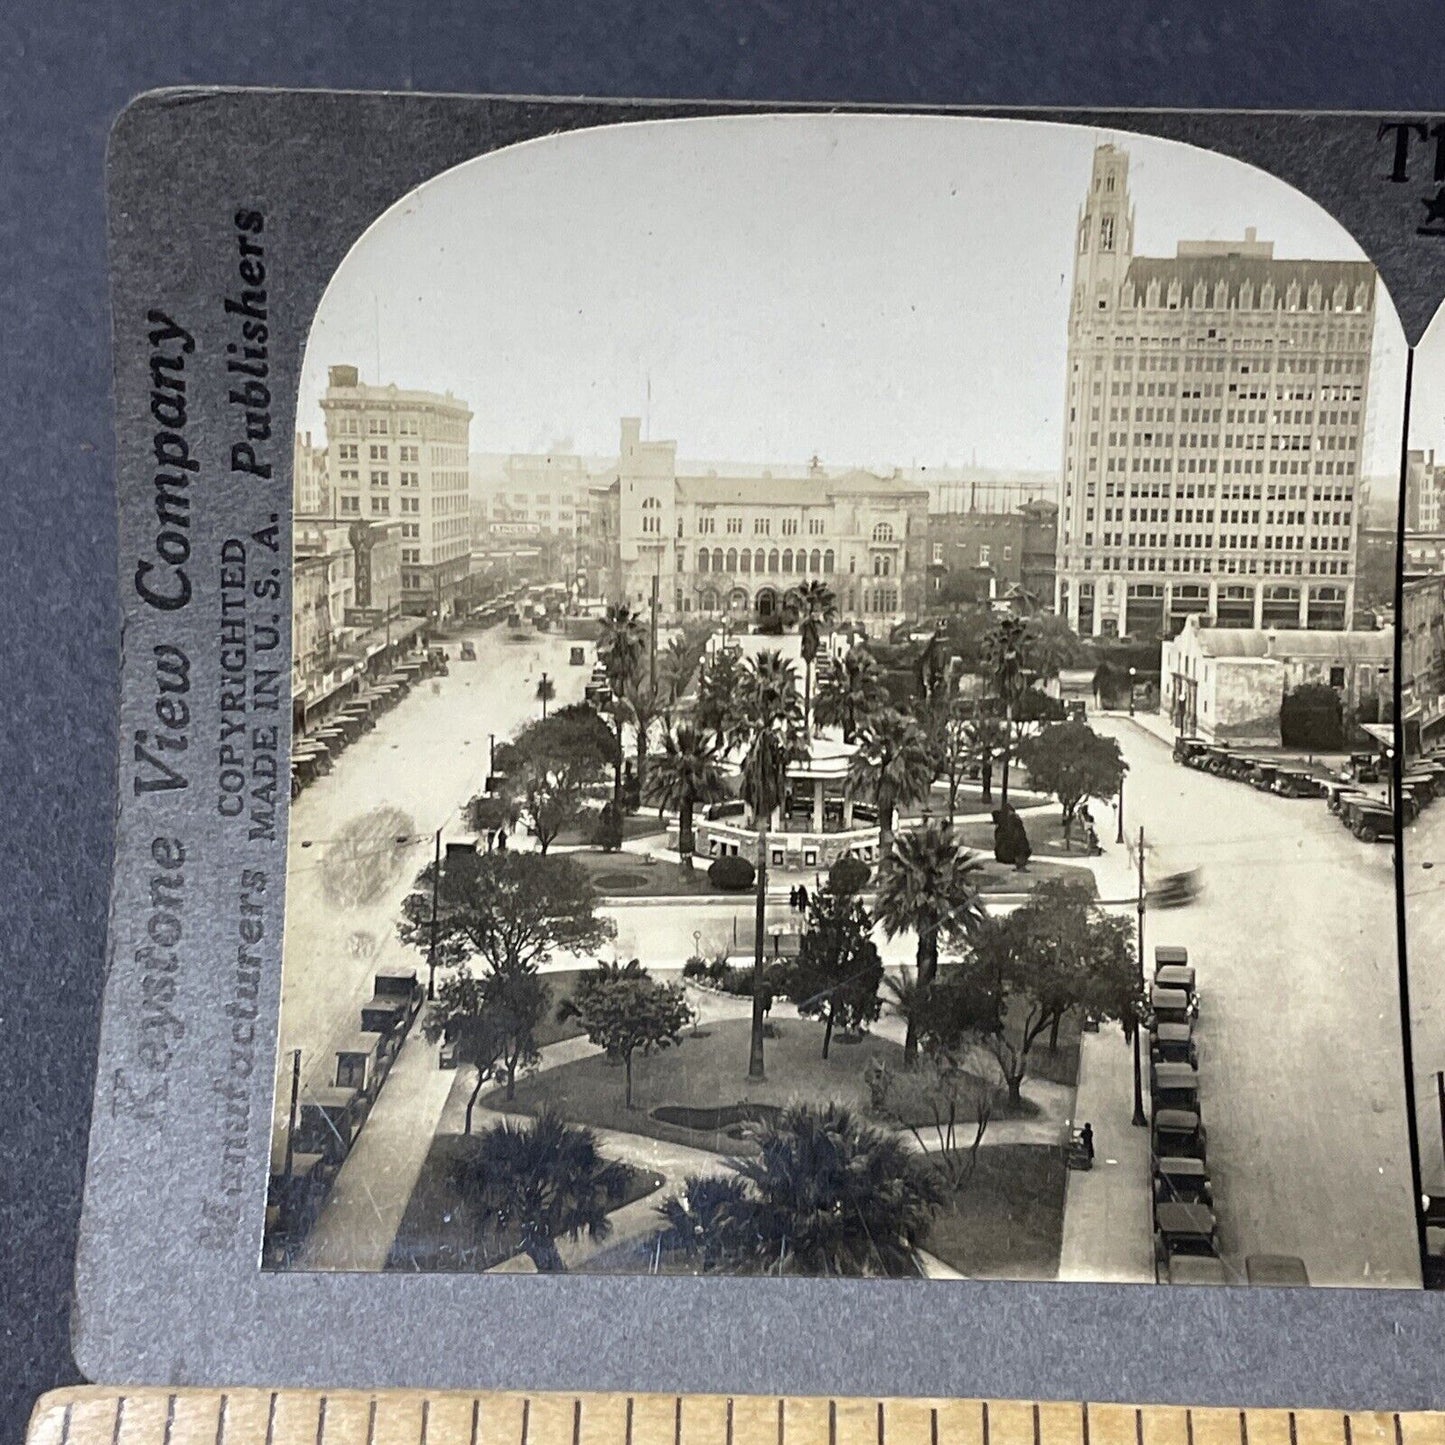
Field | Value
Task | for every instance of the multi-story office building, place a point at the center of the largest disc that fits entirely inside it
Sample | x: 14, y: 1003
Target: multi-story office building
x: 1424, y: 492
x: 311, y: 493
x: 1214, y: 429
x: 403, y: 456
x: 1422, y: 660
x: 734, y: 545
x: 994, y: 556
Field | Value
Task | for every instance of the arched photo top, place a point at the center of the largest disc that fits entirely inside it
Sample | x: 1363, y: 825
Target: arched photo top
x: 877, y: 290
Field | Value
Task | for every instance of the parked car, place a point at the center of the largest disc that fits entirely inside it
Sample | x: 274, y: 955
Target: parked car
x: 1179, y: 1133
x: 1182, y: 1181
x: 1173, y: 1086
x: 1184, y: 1230
x: 1173, y: 1043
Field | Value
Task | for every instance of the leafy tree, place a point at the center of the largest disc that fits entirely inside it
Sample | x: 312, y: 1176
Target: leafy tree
x: 1073, y: 762
x: 1005, y: 663
x: 955, y: 741
x: 1052, y: 645
x: 928, y: 885
x: 684, y: 776
x: 1057, y: 953
x: 624, y: 1010
x: 545, y: 1179
x: 511, y: 910
x: 815, y: 606
x: 549, y: 765
x: 768, y: 726
x: 620, y: 649
x: 893, y: 767
x: 850, y: 692
x: 492, y: 1022
x: 838, y: 970
x: 489, y: 811
x: 826, y: 1195
x: 954, y: 1098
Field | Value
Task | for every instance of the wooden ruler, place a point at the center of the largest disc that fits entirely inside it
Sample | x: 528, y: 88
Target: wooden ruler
x: 100, y: 1415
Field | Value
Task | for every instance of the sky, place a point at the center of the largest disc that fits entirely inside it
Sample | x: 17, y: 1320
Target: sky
x: 881, y: 290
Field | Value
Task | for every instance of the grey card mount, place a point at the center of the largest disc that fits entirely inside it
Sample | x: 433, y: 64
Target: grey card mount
x: 742, y: 718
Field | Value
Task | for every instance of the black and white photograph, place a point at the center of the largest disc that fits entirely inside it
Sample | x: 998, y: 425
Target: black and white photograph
x: 843, y: 719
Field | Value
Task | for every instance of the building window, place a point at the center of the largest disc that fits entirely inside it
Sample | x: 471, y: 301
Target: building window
x: 346, y: 452
x: 828, y: 560
x: 790, y: 526
x: 735, y: 526
x: 883, y: 532
x: 377, y: 427
x: 380, y: 506
x: 938, y: 554
x: 351, y: 504
x: 787, y: 559
x: 717, y: 559
x: 984, y: 553
x: 815, y: 561
x: 773, y: 561
x: 815, y: 526
x: 761, y: 526
x: 378, y: 452
x: 380, y: 479
x: 732, y: 565
x: 703, y: 558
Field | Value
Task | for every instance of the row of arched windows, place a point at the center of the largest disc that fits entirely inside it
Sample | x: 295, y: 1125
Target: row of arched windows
x: 786, y: 561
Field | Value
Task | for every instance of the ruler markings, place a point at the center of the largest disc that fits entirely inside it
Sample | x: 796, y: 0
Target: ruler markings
x: 96, y: 1416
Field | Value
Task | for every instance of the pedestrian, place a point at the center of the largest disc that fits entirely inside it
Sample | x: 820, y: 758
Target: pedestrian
x: 501, y: 840
x: 1086, y: 1138
x: 793, y: 899
x: 803, y: 897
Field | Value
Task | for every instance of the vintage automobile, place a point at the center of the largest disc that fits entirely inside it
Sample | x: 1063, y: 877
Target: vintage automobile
x: 1171, y: 1006
x: 1173, y: 1044
x: 1296, y: 783
x: 1363, y: 768
x: 1184, y: 1229
x: 1173, y: 1086
x: 1176, y: 890
x: 1179, y: 1134
x: 1263, y: 776
x: 1177, y: 976
x: 1170, y: 953
x: 1336, y: 794
x: 1277, y: 1271
x: 1192, y: 752
x: 1368, y: 820
x: 1182, y: 1181
x: 467, y: 652
x: 1195, y: 1269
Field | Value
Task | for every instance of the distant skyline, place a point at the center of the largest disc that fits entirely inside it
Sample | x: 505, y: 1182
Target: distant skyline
x: 880, y: 290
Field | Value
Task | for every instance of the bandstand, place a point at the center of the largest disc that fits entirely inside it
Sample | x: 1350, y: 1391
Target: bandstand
x: 817, y: 824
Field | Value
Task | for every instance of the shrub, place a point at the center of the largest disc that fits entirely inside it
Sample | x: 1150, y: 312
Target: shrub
x: 695, y: 967
x: 848, y: 876
x: 731, y: 873
x: 718, y: 967
x: 738, y: 981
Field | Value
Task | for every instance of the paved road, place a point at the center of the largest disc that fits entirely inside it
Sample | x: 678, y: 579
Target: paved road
x: 347, y: 874
x: 1294, y: 941
x: 1425, y: 927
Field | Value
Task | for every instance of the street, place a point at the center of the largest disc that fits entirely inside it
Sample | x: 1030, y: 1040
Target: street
x: 1302, y: 1089
x: 1424, y: 927
x: 348, y: 873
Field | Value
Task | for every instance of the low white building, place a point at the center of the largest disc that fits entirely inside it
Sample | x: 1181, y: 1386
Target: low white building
x: 1226, y: 684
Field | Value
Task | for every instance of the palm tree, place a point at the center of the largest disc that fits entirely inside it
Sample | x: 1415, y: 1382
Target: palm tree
x: 815, y: 606
x: 1052, y: 644
x: 546, y: 691
x: 830, y: 1195
x: 894, y: 766
x: 620, y: 647
x: 768, y: 725
x: 705, y: 1220
x: 646, y: 702
x: 927, y: 884
x: 545, y: 1180
x: 850, y: 693
x: 1005, y: 653
x: 684, y: 775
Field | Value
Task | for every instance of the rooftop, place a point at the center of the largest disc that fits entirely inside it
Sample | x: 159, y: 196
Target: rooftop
x: 1295, y: 642
x: 1236, y: 271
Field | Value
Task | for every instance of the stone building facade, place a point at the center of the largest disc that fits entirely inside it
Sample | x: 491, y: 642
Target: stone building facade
x: 733, y: 546
x: 1215, y: 419
x: 994, y: 555
x: 1227, y: 684
x: 395, y: 455
x: 1422, y: 660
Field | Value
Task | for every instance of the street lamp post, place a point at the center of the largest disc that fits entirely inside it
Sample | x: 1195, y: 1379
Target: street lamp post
x: 1139, y: 1119
x: 431, y: 952
x: 1131, y: 691
x: 1119, y: 811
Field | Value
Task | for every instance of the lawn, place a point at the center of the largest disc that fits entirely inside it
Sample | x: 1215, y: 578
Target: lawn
x: 439, y: 1231
x: 1007, y: 1222
x: 634, y: 825
x: 708, y: 1071
x: 1061, y: 1065
x: 632, y: 875
x: 1046, y: 834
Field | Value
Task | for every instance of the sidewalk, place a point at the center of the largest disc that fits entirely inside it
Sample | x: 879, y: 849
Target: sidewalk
x: 368, y: 1201
x: 1108, y: 1234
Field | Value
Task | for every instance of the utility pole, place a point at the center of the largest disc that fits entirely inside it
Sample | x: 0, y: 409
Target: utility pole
x: 431, y: 953
x: 1440, y: 1094
x: 291, y: 1120
x: 1139, y: 1120
x: 1119, y: 811
x: 652, y: 662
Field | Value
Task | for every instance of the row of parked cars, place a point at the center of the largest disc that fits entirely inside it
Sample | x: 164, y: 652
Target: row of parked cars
x: 314, y: 752
x: 1186, y: 1228
x: 326, y: 1121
